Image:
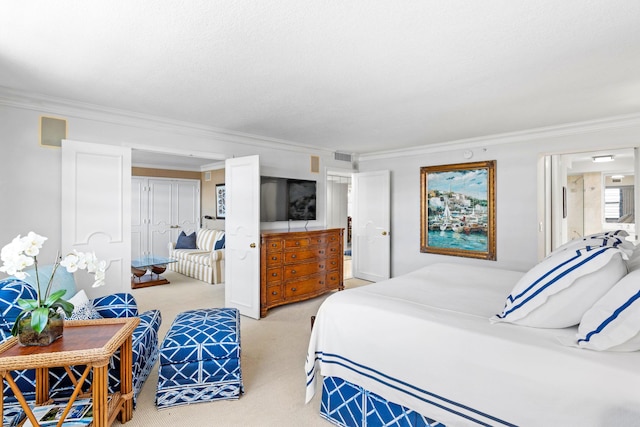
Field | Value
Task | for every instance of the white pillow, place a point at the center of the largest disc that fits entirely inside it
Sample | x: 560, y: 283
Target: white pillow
x: 633, y: 263
x: 82, y: 307
x: 557, y: 291
x: 613, y: 323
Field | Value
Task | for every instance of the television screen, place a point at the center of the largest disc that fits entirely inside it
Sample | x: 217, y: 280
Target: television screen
x: 302, y: 199
x: 284, y: 199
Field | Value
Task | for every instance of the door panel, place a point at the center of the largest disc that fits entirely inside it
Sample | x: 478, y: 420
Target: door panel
x: 96, y: 209
x: 371, y: 225
x: 160, y: 216
x: 188, y: 207
x: 138, y: 217
x: 242, y: 228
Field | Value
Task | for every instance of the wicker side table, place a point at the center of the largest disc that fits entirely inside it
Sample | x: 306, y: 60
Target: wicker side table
x: 89, y: 343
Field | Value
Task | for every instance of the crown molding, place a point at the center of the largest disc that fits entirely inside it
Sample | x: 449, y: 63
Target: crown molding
x: 576, y: 128
x: 69, y: 108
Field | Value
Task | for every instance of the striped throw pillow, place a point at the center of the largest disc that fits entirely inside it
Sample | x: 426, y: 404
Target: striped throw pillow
x: 560, y: 289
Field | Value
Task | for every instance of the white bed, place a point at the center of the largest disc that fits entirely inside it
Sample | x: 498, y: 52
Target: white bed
x: 424, y: 341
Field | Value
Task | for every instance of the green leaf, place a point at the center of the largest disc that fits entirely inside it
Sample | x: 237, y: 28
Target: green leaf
x: 28, y: 304
x: 66, y: 306
x: 39, y: 319
x: 54, y: 297
x: 14, y: 329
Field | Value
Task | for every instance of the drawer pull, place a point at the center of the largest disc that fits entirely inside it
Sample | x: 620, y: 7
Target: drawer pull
x: 321, y: 282
x: 293, y: 256
x: 274, y: 258
x: 321, y: 266
x: 274, y: 293
x: 321, y: 252
x: 294, y: 289
x: 293, y: 272
x: 274, y: 245
x: 333, y: 263
x: 297, y: 243
x: 274, y: 274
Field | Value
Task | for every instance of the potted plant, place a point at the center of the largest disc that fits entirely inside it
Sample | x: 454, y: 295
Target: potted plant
x: 41, y: 322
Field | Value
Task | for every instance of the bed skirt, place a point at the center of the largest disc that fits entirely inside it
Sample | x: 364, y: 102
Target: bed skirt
x: 348, y: 405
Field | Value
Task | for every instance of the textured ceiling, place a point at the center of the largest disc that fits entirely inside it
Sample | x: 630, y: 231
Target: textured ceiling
x: 357, y: 75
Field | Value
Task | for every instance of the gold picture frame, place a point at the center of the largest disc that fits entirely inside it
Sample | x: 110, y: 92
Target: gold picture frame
x: 458, y: 210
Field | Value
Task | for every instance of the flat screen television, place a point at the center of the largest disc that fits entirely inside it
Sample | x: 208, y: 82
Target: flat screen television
x: 286, y: 199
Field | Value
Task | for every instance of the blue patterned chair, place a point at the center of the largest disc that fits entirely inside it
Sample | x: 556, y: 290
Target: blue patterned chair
x: 145, y: 341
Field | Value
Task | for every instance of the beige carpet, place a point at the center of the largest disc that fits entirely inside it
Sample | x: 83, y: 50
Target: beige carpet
x: 273, y: 354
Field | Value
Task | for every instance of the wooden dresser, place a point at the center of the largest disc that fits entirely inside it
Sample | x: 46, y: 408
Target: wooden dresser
x: 298, y: 265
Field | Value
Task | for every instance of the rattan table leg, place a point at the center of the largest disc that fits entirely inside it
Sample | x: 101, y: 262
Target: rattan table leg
x: 42, y: 386
x: 100, y: 394
x: 126, y: 381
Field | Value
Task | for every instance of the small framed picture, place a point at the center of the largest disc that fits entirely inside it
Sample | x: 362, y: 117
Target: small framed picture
x: 221, y: 206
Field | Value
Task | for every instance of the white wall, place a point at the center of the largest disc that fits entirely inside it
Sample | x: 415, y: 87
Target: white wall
x: 517, y: 186
x: 30, y: 174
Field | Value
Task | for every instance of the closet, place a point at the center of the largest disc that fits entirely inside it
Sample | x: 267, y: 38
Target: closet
x: 161, y: 209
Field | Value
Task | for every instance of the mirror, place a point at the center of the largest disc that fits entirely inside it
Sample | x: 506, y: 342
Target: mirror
x: 619, y: 198
x: 598, y: 195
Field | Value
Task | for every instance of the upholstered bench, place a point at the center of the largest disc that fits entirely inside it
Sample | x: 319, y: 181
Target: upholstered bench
x: 200, y: 358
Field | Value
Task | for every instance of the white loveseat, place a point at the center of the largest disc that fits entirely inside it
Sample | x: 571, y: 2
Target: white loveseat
x: 204, y: 262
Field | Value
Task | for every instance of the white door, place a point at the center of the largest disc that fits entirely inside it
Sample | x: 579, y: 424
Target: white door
x: 96, y: 210
x: 166, y: 207
x: 139, y: 215
x: 371, y: 223
x: 242, y: 230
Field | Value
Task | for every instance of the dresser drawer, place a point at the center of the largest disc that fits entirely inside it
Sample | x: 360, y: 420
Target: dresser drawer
x: 273, y: 275
x: 304, y: 287
x: 305, y: 269
x: 303, y: 255
x: 332, y: 264
x: 273, y: 258
x: 297, y: 243
x: 274, y: 294
x: 273, y: 245
x: 333, y: 249
x: 332, y: 279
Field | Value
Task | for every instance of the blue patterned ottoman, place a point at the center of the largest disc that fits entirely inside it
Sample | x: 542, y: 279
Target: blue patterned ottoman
x: 200, y: 358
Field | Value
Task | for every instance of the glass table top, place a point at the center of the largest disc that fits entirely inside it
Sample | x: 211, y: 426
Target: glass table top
x: 149, y: 260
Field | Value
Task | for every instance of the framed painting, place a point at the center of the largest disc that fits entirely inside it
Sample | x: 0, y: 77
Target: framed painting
x: 221, y: 206
x: 458, y: 210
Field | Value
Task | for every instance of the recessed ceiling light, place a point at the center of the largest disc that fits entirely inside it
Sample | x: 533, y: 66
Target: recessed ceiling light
x: 601, y: 159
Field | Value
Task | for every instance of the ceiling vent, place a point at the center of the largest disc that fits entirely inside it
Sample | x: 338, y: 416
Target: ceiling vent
x: 344, y: 157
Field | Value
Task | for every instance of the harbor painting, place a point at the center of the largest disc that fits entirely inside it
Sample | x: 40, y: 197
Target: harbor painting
x: 457, y: 210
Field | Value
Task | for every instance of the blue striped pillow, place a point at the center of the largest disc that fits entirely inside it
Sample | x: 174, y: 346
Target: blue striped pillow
x: 615, y: 239
x: 560, y: 289
x: 613, y: 323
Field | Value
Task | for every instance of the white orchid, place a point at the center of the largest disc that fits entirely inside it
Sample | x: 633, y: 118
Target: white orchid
x: 22, y: 252
x: 86, y: 260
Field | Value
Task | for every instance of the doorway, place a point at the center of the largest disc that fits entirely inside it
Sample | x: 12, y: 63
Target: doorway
x: 339, y: 212
x: 591, y: 192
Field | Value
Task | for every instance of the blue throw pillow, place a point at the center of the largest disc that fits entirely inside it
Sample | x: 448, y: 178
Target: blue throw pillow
x: 186, y: 242
x: 219, y: 243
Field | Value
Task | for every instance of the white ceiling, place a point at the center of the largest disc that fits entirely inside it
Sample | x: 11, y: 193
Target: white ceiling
x: 356, y: 76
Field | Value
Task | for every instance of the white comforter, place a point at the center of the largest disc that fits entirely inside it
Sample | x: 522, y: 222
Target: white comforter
x: 423, y: 340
